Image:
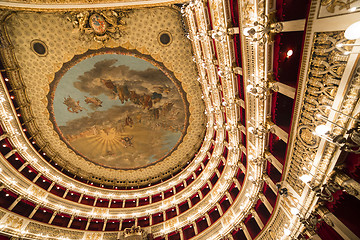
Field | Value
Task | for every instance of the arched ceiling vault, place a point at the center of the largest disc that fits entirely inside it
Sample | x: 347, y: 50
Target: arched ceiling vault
x: 231, y: 104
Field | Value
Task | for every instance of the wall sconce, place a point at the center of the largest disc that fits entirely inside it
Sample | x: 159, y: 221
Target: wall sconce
x: 350, y: 142
x: 287, y: 232
x: 341, y: 46
x: 260, y: 91
x: 221, y: 33
x: 259, y: 132
x: 225, y: 72
x: 353, y: 9
x: 289, y: 53
x: 322, y: 191
x: 261, y: 30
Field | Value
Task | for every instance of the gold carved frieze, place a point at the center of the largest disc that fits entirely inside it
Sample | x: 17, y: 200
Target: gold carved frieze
x: 53, y: 232
x: 336, y: 7
x: 333, y: 5
x: 279, y: 221
x: 14, y: 222
x: 110, y: 236
x: 248, y: 11
x: 214, y: 5
x: 326, y: 67
x: 93, y: 236
x: 99, y: 211
x: 38, y: 192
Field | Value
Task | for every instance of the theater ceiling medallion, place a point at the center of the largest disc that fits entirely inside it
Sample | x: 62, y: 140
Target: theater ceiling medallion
x: 99, y: 26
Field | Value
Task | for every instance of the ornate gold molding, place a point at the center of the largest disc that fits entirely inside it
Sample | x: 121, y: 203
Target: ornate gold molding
x: 66, y: 5
x: 99, y: 26
x: 326, y: 68
x: 337, y: 5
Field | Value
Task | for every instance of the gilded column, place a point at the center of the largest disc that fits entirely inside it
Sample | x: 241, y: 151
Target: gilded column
x: 9, y: 154
x: 34, y: 211
x: 14, y: 203
x: 245, y: 230
x: 52, y: 217
x: 257, y: 218
x: 266, y: 202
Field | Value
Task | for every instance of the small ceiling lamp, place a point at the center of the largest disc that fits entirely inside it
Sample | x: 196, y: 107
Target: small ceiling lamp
x: 349, y: 141
x: 353, y: 31
x: 289, y: 53
x: 322, y: 130
x: 353, y: 9
x: 294, y: 211
x: 306, y: 178
x: 287, y: 232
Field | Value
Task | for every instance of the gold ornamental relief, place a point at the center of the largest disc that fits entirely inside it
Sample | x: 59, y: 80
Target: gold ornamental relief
x: 99, y: 26
x: 36, y: 191
x: 93, y: 236
x: 334, y: 5
x: 99, y: 211
x: 14, y: 222
x: 248, y: 9
x: 307, y: 137
x: 214, y: 5
x: 326, y: 68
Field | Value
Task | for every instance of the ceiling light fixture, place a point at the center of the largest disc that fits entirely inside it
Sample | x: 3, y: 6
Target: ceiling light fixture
x: 353, y: 31
x: 348, y: 141
x: 261, y: 29
x: 289, y: 53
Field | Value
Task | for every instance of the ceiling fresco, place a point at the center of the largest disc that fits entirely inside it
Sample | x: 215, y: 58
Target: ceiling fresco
x: 64, y: 49
x: 117, y: 110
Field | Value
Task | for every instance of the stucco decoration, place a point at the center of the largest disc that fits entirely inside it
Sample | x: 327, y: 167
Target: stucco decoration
x: 141, y: 37
x: 99, y: 26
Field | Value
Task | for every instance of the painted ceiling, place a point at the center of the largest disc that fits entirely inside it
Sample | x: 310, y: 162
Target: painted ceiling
x: 118, y: 110
x: 121, y: 108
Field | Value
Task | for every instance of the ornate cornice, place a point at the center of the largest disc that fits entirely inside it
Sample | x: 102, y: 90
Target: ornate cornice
x: 66, y: 5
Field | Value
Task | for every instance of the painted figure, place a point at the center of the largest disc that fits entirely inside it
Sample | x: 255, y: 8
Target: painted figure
x: 94, y: 101
x: 72, y: 105
x: 126, y: 141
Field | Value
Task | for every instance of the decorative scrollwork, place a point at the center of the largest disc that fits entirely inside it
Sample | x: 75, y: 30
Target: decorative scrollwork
x: 326, y: 67
x: 99, y: 26
x: 325, y: 193
x: 310, y: 222
x: 135, y: 231
x: 307, y: 137
x: 331, y: 5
